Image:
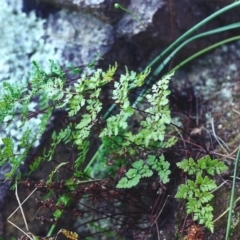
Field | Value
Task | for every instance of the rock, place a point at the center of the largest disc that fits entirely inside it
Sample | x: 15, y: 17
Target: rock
x: 104, y: 10
x: 215, y: 84
x: 80, y: 36
x: 161, y: 22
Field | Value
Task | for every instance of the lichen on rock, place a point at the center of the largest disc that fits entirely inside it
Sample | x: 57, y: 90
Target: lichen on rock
x: 23, y: 40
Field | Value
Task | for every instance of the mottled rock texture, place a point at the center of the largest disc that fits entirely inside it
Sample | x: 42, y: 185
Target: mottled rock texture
x: 161, y: 22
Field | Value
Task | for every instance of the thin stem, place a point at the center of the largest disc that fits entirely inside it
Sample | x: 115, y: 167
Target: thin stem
x: 117, y: 5
x: 232, y: 196
x: 20, y: 206
x: 214, y: 31
x: 204, y: 51
x: 161, y: 66
x: 193, y: 29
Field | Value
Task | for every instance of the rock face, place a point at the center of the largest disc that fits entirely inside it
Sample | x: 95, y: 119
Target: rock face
x: 158, y: 24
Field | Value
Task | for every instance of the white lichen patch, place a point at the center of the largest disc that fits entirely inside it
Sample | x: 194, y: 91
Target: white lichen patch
x: 88, y: 2
x: 23, y: 39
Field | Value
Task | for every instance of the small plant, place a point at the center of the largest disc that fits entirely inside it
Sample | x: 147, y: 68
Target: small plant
x: 197, y: 192
x: 85, y: 98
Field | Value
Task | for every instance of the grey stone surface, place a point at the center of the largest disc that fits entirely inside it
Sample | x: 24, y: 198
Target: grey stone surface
x: 144, y: 10
x: 162, y: 22
x: 80, y: 36
x: 104, y: 10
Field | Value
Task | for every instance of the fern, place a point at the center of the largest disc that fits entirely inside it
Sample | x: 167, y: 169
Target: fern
x: 84, y: 94
x: 152, y: 129
x: 197, y: 192
x: 84, y: 97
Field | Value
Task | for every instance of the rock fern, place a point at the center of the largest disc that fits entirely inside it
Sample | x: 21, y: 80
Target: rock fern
x: 197, y: 192
x: 140, y: 151
x: 82, y: 101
